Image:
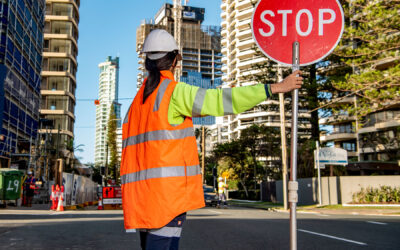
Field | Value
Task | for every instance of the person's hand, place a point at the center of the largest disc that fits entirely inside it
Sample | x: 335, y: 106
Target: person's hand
x: 293, y: 81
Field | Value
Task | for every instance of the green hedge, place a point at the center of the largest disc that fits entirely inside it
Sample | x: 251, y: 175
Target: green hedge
x: 241, y: 195
x: 383, y: 194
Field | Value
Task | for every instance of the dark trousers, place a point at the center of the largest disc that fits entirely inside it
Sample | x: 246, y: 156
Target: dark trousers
x: 165, y: 238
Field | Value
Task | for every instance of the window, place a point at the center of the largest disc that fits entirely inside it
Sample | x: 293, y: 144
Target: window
x: 349, y: 146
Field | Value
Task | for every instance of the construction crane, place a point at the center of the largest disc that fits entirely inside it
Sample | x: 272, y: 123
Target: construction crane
x: 177, y: 30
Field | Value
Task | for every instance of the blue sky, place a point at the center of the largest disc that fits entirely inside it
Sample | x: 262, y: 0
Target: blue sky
x: 108, y: 28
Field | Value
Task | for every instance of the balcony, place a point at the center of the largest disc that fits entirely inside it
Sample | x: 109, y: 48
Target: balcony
x: 243, y: 4
x: 244, y: 24
x: 336, y: 120
x: 244, y: 35
x: 338, y: 136
x: 245, y: 14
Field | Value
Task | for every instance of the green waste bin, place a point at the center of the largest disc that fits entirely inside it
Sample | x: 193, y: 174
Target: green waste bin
x: 10, y: 184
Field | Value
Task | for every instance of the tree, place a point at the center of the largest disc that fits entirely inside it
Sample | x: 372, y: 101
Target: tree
x: 235, y: 155
x: 112, y: 144
x: 71, y: 148
x: 198, y: 132
x: 262, y: 142
x: 368, y: 54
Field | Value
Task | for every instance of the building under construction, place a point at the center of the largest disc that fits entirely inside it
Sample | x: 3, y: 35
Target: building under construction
x: 201, y: 45
x: 21, y: 44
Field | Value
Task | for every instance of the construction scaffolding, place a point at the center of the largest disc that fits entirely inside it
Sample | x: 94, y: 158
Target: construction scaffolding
x: 21, y: 37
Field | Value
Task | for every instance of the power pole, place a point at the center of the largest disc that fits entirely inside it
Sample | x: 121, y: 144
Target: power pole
x: 177, y: 32
x: 283, y: 140
x: 106, y: 167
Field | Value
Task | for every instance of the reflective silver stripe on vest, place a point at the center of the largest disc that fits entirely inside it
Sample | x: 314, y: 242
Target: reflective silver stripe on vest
x: 198, y: 102
x: 161, y: 172
x: 167, y: 232
x: 127, y: 115
x: 193, y: 170
x: 158, y: 135
x: 160, y: 93
x: 227, y: 101
x: 153, y: 173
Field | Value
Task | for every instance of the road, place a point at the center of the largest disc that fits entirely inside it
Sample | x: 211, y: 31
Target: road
x: 208, y: 228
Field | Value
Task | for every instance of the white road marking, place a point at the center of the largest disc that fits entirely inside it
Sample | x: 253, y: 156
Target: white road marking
x: 333, y: 237
x: 217, y: 212
x: 375, y: 222
x: 324, y: 215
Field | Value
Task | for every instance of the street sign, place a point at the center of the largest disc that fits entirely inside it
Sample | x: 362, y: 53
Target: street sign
x: 317, y: 25
x: 332, y: 156
x: 112, y: 201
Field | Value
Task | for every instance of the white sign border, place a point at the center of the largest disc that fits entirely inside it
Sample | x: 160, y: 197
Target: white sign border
x: 305, y: 64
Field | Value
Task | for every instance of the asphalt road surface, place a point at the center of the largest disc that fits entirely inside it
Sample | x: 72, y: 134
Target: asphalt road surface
x: 208, y: 228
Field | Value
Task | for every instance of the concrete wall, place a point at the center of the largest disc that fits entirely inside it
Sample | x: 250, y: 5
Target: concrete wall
x: 336, y: 190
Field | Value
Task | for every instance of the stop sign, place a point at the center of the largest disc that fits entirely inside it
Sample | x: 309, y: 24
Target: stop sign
x: 316, y: 24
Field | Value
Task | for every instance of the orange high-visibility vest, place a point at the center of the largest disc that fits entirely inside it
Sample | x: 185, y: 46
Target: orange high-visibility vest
x: 160, y: 172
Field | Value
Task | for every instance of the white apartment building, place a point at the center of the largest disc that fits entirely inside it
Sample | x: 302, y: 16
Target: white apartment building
x: 108, y: 97
x: 238, y: 60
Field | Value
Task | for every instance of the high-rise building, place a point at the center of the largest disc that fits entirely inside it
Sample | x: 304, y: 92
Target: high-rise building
x: 21, y: 44
x: 201, y: 48
x: 108, y: 99
x: 58, y: 87
x: 239, y: 58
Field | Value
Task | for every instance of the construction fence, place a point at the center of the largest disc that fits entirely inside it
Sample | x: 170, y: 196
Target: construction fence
x: 78, y: 189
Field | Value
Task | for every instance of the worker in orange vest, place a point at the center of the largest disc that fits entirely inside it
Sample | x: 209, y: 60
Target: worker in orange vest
x: 160, y: 172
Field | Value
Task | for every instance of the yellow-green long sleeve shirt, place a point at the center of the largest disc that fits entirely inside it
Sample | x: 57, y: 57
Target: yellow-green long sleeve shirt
x: 192, y: 101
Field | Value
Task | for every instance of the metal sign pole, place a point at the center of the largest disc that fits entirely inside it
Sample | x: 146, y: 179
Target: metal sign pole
x: 293, y: 185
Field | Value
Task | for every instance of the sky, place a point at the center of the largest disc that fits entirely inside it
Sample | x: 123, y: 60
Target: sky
x: 108, y: 28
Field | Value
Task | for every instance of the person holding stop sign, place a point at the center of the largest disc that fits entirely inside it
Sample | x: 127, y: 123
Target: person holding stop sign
x: 160, y: 172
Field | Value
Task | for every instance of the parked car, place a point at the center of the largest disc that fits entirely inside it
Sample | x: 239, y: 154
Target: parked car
x: 210, y: 196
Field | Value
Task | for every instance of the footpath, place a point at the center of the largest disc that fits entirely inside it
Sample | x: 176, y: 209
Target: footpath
x: 44, y: 207
x: 329, y: 209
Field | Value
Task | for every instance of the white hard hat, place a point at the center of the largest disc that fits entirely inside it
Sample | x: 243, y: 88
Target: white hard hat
x: 158, y: 43
x: 220, y: 178
x: 29, y: 172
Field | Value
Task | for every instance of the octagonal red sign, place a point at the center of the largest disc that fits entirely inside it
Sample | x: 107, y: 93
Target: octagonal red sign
x: 316, y: 24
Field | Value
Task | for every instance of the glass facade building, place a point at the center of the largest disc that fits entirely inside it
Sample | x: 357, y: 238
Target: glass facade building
x: 21, y: 44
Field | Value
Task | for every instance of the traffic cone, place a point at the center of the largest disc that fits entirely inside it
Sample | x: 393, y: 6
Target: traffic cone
x: 60, y: 206
x: 56, y: 196
x: 100, y: 205
x: 53, y: 198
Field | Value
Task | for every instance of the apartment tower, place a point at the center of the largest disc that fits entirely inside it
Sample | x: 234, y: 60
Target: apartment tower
x: 108, y: 99
x: 60, y: 51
